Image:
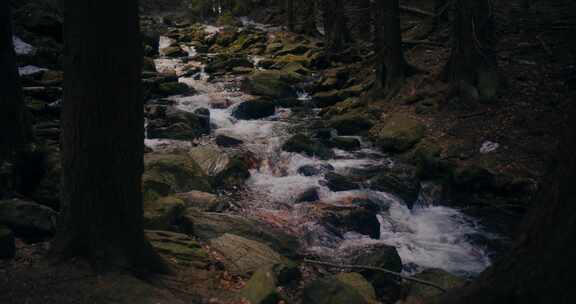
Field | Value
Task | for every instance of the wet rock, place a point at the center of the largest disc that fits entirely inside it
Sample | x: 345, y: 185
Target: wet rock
x: 262, y: 287
x: 209, y: 225
x: 52, y: 78
x: 243, y: 256
x: 354, y: 219
x: 172, y: 88
x: 331, y: 291
x: 303, y: 144
x: 359, y: 283
x: 337, y: 182
x: 400, y: 180
x: 179, y: 247
x: 330, y: 98
x: 28, y: 219
x: 173, y: 123
x: 314, y: 170
x: 350, y: 123
x: 273, y: 84
x: 226, y: 170
x: 254, y: 109
x: 325, y: 133
x: 225, y: 38
x: 374, y: 205
x: 163, y: 213
x: 227, y: 141
x: 173, y: 51
x: 288, y: 102
x: 382, y: 256
x: 224, y: 63
x: 397, y: 133
x: 345, y: 143
x: 309, y: 195
x: 201, y: 200
x: 473, y: 177
x: 220, y: 104
x: 7, y: 245
x: 167, y: 174
x: 418, y: 293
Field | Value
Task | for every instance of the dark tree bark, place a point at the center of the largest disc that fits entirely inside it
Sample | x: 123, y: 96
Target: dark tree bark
x: 359, y: 14
x: 473, y: 63
x: 336, y: 31
x: 289, y: 6
x: 15, y: 130
x: 540, y: 268
x: 392, y: 67
x: 102, y: 138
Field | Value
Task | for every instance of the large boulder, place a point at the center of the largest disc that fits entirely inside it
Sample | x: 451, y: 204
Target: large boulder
x: 273, y: 84
x: 28, y: 219
x: 400, y: 180
x: 209, y: 225
x: 262, y: 287
x: 167, y: 174
x: 172, y: 88
x: 350, y: 123
x: 397, y: 133
x: 7, y: 245
x: 173, y: 123
x: 254, y: 109
x: 163, y: 213
x: 357, y: 219
x: 242, y: 256
x: 179, y: 248
x: 331, y: 291
x: 226, y: 170
x: 337, y: 182
x: 201, y: 200
x: 418, y: 293
x: 382, y: 256
x: 359, y: 283
x: 303, y: 144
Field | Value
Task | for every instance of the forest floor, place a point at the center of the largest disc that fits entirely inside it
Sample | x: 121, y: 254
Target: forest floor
x: 536, y: 53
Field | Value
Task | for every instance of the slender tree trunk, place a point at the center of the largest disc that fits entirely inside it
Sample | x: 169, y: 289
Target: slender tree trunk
x: 15, y: 130
x: 102, y: 138
x: 473, y: 63
x: 335, y: 25
x: 540, y: 269
x: 392, y: 67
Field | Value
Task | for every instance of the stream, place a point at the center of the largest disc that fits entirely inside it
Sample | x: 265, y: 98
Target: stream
x: 426, y: 236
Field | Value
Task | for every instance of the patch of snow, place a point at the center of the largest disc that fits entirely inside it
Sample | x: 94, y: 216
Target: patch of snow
x: 488, y: 147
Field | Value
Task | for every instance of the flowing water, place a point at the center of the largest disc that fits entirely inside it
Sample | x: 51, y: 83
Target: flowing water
x: 426, y: 236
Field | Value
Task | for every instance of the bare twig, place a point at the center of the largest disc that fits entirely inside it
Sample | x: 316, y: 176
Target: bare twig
x: 397, y: 274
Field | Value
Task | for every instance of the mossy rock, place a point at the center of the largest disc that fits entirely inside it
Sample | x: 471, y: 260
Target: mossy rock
x: 179, y: 248
x: 303, y: 144
x: 209, y: 225
x: 262, y: 287
x: 382, y: 256
x: 254, y: 109
x: 167, y: 174
x: 273, y: 84
x: 163, y: 213
x: 360, y: 284
x: 397, y: 133
x: 226, y: 37
x: 418, y: 293
x: 351, y: 123
x: 243, y: 256
x: 173, y: 51
x: 331, y: 291
x: 225, y: 170
x: 172, y: 88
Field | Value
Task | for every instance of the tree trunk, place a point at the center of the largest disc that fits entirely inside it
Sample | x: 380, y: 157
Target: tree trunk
x: 392, y: 67
x: 540, y: 269
x: 335, y: 25
x: 290, y: 14
x: 473, y: 63
x: 15, y: 130
x: 360, y: 16
x: 103, y: 138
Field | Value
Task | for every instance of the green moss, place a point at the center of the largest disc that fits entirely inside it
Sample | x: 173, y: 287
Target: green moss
x: 163, y: 212
x: 184, y: 250
x: 359, y: 283
x: 397, y: 133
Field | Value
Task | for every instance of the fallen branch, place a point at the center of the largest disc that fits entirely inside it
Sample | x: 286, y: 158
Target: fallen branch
x: 397, y: 274
x: 417, y: 11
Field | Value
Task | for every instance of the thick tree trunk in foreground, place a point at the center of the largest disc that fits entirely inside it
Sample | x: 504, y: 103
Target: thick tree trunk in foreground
x: 541, y: 267
x: 15, y: 131
x: 289, y: 6
x: 102, y: 138
x: 335, y: 25
x: 360, y: 16
x: 473, y: 63
x: 392, y: 67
